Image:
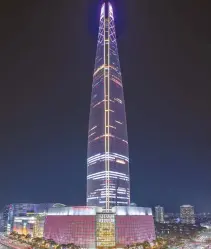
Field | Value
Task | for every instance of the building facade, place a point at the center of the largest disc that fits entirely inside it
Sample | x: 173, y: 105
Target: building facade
x: 38, y: 228
x: 108, y: 182
x: 31, y: 224
x: 2, y: 225
x: 187, y: 214
x: 24, y: 225
x: 159, y: 214
x: 22, y: 211
x: 92, y: 227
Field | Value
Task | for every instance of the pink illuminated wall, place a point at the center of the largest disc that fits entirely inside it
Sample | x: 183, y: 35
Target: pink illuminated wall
x: 133, y: 229
x: 79, y: 229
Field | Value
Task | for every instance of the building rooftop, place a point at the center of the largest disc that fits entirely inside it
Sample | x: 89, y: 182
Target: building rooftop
x: 93, y: 210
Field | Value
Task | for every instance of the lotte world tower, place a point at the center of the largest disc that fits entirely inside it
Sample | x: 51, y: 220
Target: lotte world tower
x: 108, y: 220
x: 108, y: 181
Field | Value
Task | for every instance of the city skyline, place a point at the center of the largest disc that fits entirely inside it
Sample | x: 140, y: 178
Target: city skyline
x: 48, y: 53
x: 108, y: 179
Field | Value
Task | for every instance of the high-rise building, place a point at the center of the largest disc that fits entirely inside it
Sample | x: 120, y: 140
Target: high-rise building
x: 108, y: 221
x: 108, y: 182
x: 1, y: 222
x: 159, y: 214
x: 187, y: 214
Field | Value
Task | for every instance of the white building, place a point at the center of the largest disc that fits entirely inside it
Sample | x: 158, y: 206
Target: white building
x: 159, y: 214
x: 187, y: 214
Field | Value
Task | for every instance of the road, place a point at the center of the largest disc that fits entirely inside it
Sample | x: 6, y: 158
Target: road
x: 3, y: 247
x: 6, y: 243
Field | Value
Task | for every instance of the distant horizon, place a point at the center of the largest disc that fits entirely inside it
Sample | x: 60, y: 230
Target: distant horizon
x: 67, y: 205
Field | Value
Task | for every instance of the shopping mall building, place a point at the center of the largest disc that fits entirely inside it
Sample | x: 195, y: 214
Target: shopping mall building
x: 91, y: 227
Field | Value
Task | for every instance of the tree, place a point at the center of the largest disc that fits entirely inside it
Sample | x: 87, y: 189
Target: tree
x: 13, y: 233
x: 70, y: 245
x: 28, y: 236
x: 146, y: 245
x: 138, y: 246
x: 154, y: 242
x: 51, y: 243
x: 37, y: 241
x: 160, y: 241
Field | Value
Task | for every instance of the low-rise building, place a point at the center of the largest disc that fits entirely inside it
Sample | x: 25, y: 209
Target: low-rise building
x: 92, y: 227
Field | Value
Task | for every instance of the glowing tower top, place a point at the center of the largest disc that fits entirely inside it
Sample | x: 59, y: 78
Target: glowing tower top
x: 108, y: 182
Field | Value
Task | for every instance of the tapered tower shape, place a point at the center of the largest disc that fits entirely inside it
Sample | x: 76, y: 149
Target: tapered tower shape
x: 108, y: 182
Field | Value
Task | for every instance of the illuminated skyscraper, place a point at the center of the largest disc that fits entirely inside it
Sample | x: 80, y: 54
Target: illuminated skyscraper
x: 108, y: 220
x: 187, y: 214
x: 159, y: 214
x: 108, y: 182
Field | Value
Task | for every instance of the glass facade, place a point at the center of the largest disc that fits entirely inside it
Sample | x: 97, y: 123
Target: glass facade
x: 134, y: 229
x: 23, y: 210
x: 79, y: 229
x: 123, y: 226
x: 38, y: 229
x: 108, y: 182
x: 24, y: 225
x: 105, y: 230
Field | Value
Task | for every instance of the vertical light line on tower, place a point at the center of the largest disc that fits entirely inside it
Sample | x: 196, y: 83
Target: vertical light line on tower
x: 109, y: 104
x: 105, y: 110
